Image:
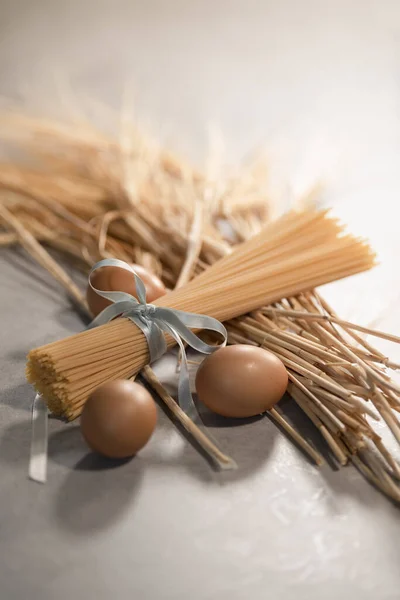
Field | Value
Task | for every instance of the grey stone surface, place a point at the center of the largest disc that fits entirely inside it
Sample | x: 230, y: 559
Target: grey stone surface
x: 319, y: 82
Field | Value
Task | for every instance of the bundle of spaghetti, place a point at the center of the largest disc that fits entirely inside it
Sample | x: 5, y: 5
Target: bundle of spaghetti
x: 296, y: 253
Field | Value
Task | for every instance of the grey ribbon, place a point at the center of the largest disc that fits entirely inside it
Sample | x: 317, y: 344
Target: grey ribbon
x: 38, y: 455
x: 155, y: 321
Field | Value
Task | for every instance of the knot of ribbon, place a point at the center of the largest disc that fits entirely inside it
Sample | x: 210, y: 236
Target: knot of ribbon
x: 155, y: 321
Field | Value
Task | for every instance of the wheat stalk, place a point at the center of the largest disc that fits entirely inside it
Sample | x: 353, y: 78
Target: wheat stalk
x: 336, y: 376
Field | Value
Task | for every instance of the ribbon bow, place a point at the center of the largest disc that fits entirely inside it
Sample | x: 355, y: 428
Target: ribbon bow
x: 154, y: 321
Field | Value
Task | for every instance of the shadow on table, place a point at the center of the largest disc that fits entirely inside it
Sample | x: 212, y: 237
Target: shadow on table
x: 234, y: 437
x: 301, y: 423
x: 96, y: 491
x: 87, y: 497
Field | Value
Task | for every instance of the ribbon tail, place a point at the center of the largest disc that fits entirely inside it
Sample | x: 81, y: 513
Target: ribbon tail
x: 185, y: 398
x: 186, y: 402
x: 38, y: 455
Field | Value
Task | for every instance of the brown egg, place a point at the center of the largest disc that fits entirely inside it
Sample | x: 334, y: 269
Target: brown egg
x: 114, y: 279
x: 241, y: 381
x: 118, y: 419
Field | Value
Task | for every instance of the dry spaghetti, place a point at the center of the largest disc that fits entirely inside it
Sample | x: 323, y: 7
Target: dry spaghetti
x: 291, y: 255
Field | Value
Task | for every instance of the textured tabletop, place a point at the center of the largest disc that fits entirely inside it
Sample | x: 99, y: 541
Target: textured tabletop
x: 316, y: 83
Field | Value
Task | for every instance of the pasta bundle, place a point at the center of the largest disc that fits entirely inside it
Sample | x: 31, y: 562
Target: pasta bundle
x: 294, y: 254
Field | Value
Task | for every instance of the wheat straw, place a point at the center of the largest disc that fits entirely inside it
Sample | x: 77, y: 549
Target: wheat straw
x: 259, y: 271
x: 77, y: 180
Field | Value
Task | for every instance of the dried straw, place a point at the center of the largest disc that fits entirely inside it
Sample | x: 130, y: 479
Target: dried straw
x: 297, y: 251
x: 71, y: 193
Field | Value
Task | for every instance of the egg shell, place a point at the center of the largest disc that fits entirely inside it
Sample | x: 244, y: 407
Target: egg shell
x: 118, y: 419
x: 115, y: 279
x: 241, y: 381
